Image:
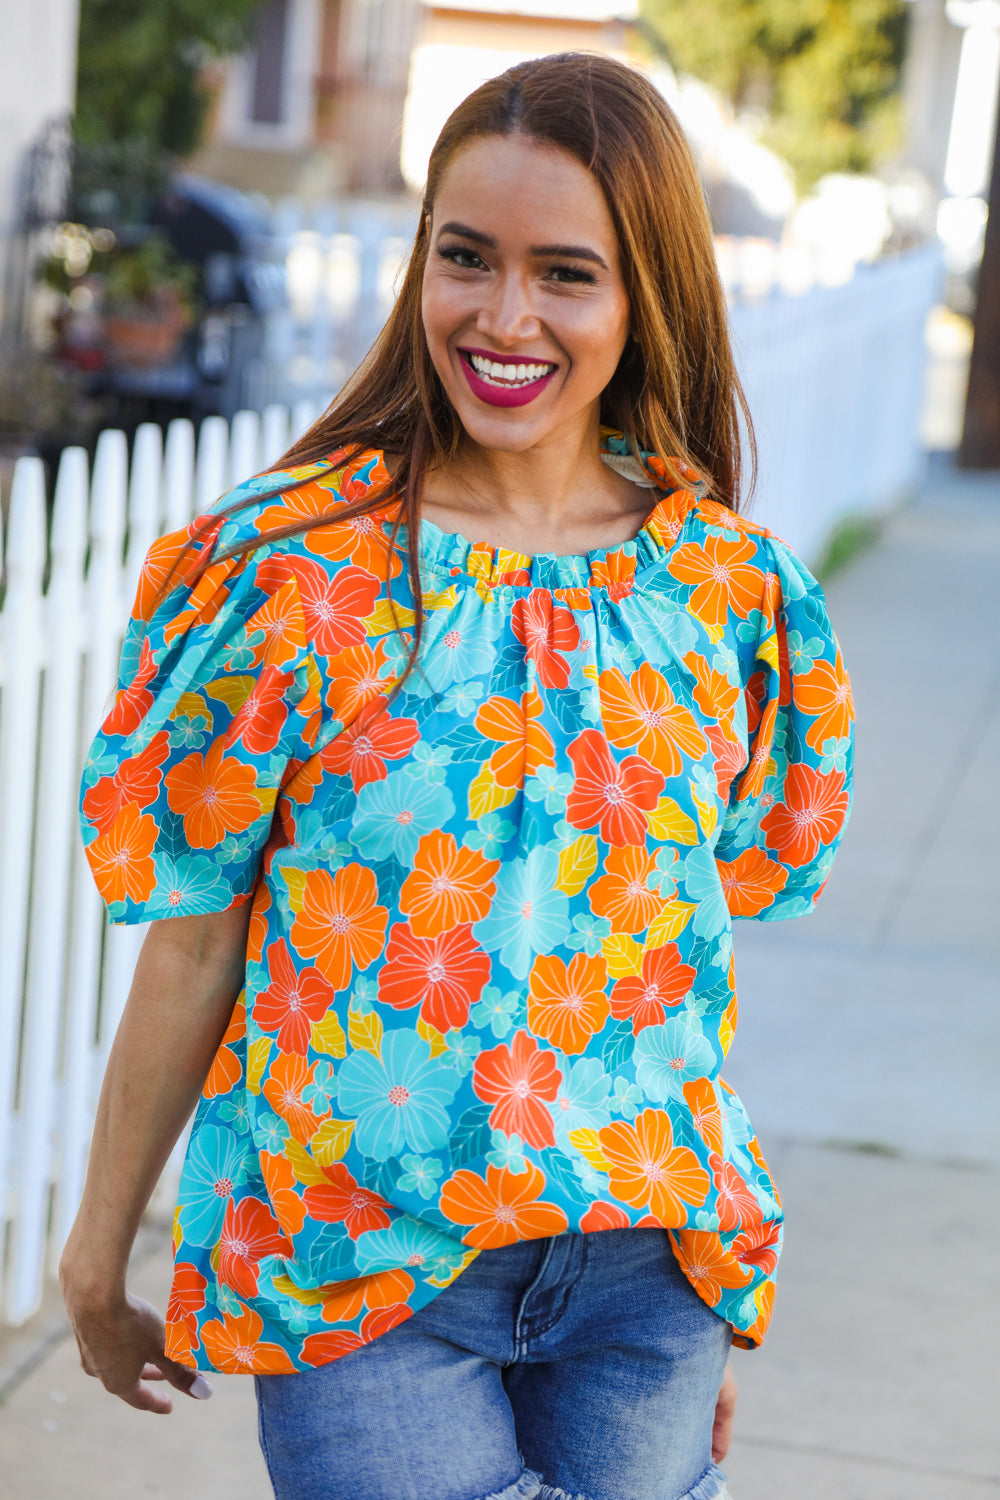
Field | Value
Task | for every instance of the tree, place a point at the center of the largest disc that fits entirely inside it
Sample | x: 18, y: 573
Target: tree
x: 140, y: 65
x: 825, y: 73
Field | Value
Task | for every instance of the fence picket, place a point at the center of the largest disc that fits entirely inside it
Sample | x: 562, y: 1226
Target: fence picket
x: 23, y: 640
x: 833, y: 382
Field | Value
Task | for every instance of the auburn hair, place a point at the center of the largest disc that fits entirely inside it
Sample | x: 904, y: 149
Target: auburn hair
x: 675, y: 391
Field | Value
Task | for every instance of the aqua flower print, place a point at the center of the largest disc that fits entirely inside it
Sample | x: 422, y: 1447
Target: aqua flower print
x: 834, y: 757
x: 458, y: 645
x: 463, y: 699
x: 215, y: 1165
x: 462, y: 1050
x: 703, y: 885
x: 588, y: 933
x: 582, y: 1101
x: 188, y: 731
x: 419, y: 1175
x: 490, y: 834
x: 431, y: 762
x: 421, y: 1249
x: 190, y: 887
x: 662, y: 629
x: 499, y: 1012
x: 398, y: 1098
x: 529, y: 913
x: 667, y: 1057
x: 549, y: 787
x: 271, y: 1134
x: 507, y: 1153
x: 393, y: 815
x: 802, y: 654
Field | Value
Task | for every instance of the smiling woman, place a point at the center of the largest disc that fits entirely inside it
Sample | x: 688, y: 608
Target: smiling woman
x: 450, y: 748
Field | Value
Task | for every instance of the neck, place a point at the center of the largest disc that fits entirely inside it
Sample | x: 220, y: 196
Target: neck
x: 543, y: 483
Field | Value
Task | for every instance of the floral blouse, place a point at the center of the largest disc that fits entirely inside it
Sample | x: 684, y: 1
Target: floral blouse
x: 489, y: 978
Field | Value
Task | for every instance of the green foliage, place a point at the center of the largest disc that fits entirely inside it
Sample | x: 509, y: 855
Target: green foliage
x: 139, y: 68
x: 825, y: 72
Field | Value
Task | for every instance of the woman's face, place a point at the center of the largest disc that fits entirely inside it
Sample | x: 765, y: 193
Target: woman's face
x: 524, y: 305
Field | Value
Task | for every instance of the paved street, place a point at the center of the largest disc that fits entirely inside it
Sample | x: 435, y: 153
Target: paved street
x: 867, y: 1056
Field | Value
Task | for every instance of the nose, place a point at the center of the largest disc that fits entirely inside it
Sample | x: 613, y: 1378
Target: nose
x: 508, y: 314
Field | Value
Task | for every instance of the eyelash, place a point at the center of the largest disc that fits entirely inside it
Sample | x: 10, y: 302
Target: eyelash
x: 573, y: 275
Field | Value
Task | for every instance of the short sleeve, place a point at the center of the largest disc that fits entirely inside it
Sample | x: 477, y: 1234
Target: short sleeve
x: 217, y: 697
x: 788, y: 809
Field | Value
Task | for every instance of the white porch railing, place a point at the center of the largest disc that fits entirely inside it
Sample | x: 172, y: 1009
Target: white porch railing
x: 834, y: 379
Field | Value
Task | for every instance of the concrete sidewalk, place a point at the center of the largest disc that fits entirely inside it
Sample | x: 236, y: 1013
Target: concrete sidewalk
x: 867, y: 1053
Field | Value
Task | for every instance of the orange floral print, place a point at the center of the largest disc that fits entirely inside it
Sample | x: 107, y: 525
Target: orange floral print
x: 279, y: 1179
x: 730, y: 759
x: 545, y: 630
x: 751, y: 882
x: 735, y: 1203
x: 647, y: 1168
x: 234, y: 1346
x: 293, y: 1000
x: 706, y: 1263
x: 444, y: 975
x: 385, y: 1289
x: 214, y: 795
x: 334, y: 608
x: 136, y: 781
x: 186, y: 1300
x: 758, y: 1246
x: 341, y: 1200
x: 603, y: 1215
x: 519, y: 1081
x: 356, y: 679
x: 812, y: 813
x: 261, y: 719
x: 714, y: 694
x: 643, y: 713
x: 121, y: 859
x: 701, y: 1100
x: 287, y: 1076
x: 249, y: 1232
x: 340, y: 924
x: 524, y: 745
x: 825, y: 694
x: 664, y: 981
x: 133, y: 702
x: 501, y: 1208
x: 622, y: 895
x: 723, y: 574
x: 227, y: 1070
x: 278, y: 628
x: 613, y: 796
x: 566, y: 1002
x: 450, y: 885
x: 614, y: 572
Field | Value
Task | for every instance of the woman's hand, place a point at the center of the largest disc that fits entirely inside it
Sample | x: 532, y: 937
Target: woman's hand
x: 722, y: 1427
x: 122, y: 1347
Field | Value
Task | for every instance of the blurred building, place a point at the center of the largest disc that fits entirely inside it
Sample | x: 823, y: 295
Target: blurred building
x: 37, y: 84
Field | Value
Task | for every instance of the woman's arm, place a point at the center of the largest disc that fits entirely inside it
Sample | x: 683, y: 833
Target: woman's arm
x: 189, y: 973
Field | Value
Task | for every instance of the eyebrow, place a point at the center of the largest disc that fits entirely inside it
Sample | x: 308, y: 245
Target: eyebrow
x: 566, y: 252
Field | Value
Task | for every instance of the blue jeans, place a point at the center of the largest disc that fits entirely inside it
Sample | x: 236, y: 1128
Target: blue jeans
x: 577, y: 1368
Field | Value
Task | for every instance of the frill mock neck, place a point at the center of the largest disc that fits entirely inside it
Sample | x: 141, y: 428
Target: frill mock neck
x: 447, y: 556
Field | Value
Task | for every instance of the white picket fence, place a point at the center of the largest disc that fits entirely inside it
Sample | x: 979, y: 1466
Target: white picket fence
x: 834, y: 379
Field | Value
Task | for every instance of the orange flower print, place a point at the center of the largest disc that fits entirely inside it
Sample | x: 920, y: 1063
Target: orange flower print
x: 812, y: 813
x: 615, y: 796
x: 121, y: 859
x: 730, y: 759
x: 292, y: 1001
x: 758, y: 1246
x: 518, y: 1081
x: 647, y: 1168
x: 723, y: 576
x: 279, y: 1179
x: 356, y: 680
x: 622, y: 895
x: 187, y: 1298
x: 444, y: 975
x: 287, y: 1076
x: 735, y: 1203
x: 335, y: 608
x: 360, y: 538
x: 602, y: 1215
x: 761, y: 764
x: 501, y: 1208
x: 751, y: 882
x: 260, y: 720
x: 545, y: 630
x: 664, y: 981
x: 340, y: 1200
x: 257, y: 935
x: 227, y: 1070
x: 323, y: 1348
x: 708, y: 1265
x: 279, y: 619
x: 566, y: 1003
x: 450, y: 885
x: 380, y: 1292
x: 525, y: 745
x: 701, y: 1100
x: 215, y: 796
x: 340, y: 923
x: 642, y: 712
x: 234, y: 1347
x: 249, y: 1232
x: 134, y: 702
x: 614, y: 572
x: 136, y: 780
x: 714, y: 694
x: 825, y: 695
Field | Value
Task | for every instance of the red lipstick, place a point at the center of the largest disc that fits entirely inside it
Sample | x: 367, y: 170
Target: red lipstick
x: 495, y: 394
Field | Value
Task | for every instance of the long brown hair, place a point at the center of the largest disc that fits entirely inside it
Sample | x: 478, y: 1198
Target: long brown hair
x: 675, y: 391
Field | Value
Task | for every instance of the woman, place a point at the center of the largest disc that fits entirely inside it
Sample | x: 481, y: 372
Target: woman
x: 450, y: 747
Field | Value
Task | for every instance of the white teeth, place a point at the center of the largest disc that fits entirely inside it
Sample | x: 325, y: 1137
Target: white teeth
x: 509, y: 375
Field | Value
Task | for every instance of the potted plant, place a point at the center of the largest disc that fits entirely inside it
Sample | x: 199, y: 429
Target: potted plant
x: 148, y: 303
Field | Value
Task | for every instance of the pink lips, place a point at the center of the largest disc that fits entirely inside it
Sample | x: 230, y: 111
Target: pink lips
x: 495, y: 395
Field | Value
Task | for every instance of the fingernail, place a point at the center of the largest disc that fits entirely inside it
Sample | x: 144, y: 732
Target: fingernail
x: 200, y: 1388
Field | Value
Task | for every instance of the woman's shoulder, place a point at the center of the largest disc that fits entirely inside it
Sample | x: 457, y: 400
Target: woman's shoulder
x: 298, y: 500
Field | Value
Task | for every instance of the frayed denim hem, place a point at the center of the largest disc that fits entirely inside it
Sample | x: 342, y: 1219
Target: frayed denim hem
x: 711, y: 1486
x: 528, y: 1487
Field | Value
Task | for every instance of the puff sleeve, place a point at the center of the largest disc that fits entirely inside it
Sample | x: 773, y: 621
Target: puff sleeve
x: 217, y: 696
x: 788, y: 809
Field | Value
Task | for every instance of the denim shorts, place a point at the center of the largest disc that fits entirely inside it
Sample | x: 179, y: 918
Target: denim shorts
x: 582, y: 1367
